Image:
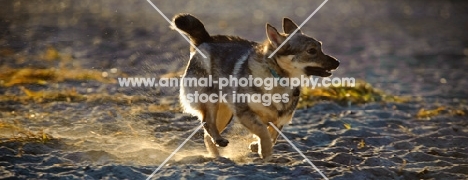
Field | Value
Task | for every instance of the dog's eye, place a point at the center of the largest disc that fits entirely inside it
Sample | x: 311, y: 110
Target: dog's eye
x: 312, y: 51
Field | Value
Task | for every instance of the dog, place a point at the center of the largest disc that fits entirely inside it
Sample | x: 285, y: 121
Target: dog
x: 232, y: 56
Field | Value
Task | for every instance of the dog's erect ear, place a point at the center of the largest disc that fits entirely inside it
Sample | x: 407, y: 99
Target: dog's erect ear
x: 273, y: 36
x: 289, y: 26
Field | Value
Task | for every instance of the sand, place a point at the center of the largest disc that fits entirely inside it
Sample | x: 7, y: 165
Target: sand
x: 414, y: 49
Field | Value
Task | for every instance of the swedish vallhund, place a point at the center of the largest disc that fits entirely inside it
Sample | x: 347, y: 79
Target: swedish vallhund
x: 236, y: 58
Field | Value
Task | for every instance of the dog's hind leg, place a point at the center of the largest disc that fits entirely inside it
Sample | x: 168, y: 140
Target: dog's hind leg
x: 224, y: 117
x: 210, y: 115
x: 210, y: 146
x: 211, y: 131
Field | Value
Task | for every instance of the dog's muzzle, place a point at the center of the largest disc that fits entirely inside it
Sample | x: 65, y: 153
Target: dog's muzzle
x: 317, y: 71
x: 326, y: 71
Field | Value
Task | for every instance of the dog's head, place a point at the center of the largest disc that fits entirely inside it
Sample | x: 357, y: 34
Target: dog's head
x: 301, y: 54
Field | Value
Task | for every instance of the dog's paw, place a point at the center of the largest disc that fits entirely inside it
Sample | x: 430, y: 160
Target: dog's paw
x: 253, y: 147
x: 267, y: 159
x: 222, y: 142
x: 261, y: 160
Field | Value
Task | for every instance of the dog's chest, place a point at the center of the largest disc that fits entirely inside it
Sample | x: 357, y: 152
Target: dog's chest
x: 289, y: 106
x: 286, y: 109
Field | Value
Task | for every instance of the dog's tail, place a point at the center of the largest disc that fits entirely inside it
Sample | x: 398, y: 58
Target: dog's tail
x: 193, y: 27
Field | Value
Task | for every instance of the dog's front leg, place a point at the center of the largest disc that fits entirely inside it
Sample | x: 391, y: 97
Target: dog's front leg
x: 252, y: 122
x: 274, y: 134
x: 281, y: 121
x: 274, y: 137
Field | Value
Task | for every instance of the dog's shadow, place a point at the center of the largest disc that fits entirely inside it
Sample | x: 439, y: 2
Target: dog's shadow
x: 254, y: 158
x: 199, y: 159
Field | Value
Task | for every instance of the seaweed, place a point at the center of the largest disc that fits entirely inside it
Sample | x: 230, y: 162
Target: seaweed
x: 360, y: 94
x: 441, y: 110
x: 68, y: 95
x: 71, y: 95
x: 23, y: 135
x: 11, y: 77
x: 65, y: 70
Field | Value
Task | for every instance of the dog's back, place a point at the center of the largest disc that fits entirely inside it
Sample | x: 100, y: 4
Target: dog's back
x: 222, y: 51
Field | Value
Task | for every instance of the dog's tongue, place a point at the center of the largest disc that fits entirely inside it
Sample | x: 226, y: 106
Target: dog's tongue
x: 316, y: 71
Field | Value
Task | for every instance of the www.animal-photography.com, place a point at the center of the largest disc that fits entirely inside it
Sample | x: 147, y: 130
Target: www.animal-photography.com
x: 300, y: 89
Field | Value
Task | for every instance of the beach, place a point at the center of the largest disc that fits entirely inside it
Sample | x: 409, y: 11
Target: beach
x: 64, y: 115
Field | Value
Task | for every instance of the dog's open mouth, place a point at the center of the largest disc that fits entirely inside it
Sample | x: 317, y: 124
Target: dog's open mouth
x: 317, y: 71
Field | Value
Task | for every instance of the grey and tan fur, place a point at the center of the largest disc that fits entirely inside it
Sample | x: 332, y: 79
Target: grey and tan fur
x: 230, y: 55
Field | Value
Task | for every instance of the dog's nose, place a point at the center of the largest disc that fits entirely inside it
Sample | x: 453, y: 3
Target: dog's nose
x: 333, y: 62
